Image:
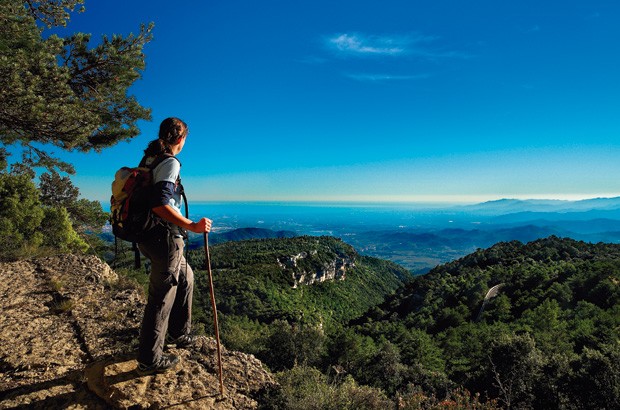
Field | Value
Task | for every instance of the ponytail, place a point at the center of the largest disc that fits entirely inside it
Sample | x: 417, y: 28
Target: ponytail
x: 170, y: 131
x: 156, y: 147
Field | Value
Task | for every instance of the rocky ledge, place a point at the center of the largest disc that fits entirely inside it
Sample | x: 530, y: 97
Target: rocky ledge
x: 68, y: 333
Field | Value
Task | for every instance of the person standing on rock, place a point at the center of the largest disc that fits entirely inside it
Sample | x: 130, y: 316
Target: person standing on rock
x: 167, y: 316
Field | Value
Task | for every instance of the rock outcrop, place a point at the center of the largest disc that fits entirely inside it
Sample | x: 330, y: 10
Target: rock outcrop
x: 334, y: 269
x: 68, y: 333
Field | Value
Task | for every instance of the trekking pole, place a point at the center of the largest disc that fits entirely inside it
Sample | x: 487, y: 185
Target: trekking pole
x: 217, y: 332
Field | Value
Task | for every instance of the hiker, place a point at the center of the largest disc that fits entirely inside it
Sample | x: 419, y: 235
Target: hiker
x: 167, y: 316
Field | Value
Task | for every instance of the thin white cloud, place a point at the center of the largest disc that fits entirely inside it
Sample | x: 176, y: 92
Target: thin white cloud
x: 360, y: 45
x: 357, y: 44
x: 406, y: 48
x: 386, y: 77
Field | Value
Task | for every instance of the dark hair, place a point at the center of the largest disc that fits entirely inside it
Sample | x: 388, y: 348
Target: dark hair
x: 170, y: 131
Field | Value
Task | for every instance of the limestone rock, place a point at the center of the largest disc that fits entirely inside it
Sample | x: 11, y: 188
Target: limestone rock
x: 70, y: 321
x: 193, y: 385
x: 334, y: 269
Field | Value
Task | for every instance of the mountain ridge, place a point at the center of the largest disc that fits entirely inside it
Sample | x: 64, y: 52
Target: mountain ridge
x: 508, y: 205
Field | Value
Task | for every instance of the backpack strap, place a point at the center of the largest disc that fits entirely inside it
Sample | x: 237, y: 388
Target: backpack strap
x: 158, y: 160
x: 136, y: 255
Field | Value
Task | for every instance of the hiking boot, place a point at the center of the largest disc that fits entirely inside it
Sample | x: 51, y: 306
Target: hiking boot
x: 181, y: 341
x: 166, y: 362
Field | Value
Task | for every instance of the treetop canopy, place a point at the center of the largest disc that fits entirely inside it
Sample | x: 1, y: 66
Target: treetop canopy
x: 61, y: 92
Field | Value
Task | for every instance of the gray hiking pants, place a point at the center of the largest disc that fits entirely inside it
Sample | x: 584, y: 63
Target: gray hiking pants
x: 169, y: 305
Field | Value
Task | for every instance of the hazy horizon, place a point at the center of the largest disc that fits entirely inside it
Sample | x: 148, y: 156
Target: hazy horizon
x: 387, y: 203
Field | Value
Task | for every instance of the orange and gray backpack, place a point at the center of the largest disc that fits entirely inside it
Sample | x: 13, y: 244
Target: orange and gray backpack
x: 130, y: 215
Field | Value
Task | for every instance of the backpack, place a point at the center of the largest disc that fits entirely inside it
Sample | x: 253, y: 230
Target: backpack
x: 130, y: 213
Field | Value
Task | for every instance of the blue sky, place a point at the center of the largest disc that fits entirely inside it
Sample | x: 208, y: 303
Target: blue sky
x: 458, y: 101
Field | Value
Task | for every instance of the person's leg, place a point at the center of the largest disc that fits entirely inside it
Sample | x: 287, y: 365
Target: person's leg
x: 162, y: 292
x: 180, y: 322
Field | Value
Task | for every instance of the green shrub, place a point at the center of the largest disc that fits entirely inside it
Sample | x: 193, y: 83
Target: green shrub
x: 306, y: 388
x: 58, y: 231
x: 21, y: 215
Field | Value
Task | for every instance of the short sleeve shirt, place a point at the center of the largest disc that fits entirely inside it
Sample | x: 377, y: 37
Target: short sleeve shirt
x: 168, y: 171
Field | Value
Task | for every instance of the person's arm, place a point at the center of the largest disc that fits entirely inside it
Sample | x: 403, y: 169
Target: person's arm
x: 169, y: 214
x: 165, y: 174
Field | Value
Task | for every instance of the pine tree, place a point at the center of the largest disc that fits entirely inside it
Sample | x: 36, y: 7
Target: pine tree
x: 60, y: 92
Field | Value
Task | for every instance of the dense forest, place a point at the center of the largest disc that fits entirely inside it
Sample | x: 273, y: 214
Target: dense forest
x: 547, y: 339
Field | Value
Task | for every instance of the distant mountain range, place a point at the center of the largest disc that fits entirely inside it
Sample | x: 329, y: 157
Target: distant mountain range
x: 508, y: 206
x: 480, y: 226
x: 485, y: 224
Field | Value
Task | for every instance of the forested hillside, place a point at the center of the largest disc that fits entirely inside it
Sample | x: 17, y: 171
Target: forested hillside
x: 277, y: 295
x: 549, y: 339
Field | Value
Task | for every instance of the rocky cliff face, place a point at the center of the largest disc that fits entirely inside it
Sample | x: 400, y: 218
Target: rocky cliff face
x: 315, y: 271
x: 68, y: 333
